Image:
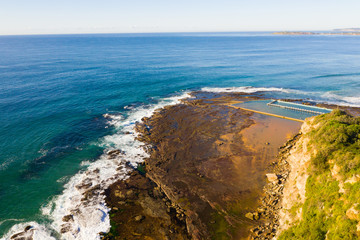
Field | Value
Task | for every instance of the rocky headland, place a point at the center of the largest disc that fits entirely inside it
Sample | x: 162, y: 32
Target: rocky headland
x: 218, y: 172
x: 346, y: 33
x: 205, y: 174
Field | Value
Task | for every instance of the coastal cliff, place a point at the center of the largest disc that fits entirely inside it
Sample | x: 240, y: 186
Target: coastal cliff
x: 321, y: 195
x: 293, y: 195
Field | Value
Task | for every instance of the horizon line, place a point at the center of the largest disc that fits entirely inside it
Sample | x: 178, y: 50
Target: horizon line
x: 164, y: 32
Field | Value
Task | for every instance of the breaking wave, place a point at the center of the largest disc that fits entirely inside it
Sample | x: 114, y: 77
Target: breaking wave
x: 29, y: 230
x: 80, y: 211
x: 330, y: 97
x: 247, y: 89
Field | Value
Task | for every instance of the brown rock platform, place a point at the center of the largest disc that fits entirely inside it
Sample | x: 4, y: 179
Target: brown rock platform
x: 205, y: 172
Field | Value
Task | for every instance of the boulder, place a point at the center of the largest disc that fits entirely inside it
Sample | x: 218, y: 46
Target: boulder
x: 256, y: 216
x: 119, y: 194
x: 68, y: 218
x: 139, y: 218
x: 249, y: 215
x: 272, y: 177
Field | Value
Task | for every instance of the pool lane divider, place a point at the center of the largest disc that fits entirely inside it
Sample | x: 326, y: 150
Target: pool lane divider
x: 273, y: 104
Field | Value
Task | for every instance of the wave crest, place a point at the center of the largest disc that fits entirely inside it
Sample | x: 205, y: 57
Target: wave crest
x: 246, y: 89
x: 329, y: 97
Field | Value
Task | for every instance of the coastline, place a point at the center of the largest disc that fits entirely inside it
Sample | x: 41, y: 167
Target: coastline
x: 227, y: 134
x: 47, y: 164
x: 224, y: 154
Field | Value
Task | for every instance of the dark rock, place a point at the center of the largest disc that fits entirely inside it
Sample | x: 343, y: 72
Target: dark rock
x: 68, y: 218
x: 114, y: 152
x: 65, y: 228
x: 27, y: 228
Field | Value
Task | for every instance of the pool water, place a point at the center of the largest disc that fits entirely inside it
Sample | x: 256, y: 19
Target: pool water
x: 300, y: 107
x: 262, y: 106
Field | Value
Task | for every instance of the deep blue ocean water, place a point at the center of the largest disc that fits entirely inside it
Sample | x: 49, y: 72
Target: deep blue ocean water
x: 64, y: 99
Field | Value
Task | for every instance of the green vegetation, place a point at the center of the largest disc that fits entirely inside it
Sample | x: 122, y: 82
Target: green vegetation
x: 141, y: 168
x: 219, y: 227
x: 336, y: 141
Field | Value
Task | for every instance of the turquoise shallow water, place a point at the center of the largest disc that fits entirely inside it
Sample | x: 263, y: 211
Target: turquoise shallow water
x: 55, y: 90
x: 262, y: 106
x: 297, y: 106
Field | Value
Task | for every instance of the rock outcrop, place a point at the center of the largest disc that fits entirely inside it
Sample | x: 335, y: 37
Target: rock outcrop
x: 298, y: 160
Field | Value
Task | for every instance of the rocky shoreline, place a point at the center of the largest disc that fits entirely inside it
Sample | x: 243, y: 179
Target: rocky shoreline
x: 271, y: 202
x: 195, y: 178
x: 139, y: 206
x: 214, y: 172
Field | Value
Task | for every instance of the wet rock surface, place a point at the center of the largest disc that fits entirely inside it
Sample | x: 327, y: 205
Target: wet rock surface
x: 207, y: 174
x: 194, y: 147
x: 140, y: 210
x: 27, y: 234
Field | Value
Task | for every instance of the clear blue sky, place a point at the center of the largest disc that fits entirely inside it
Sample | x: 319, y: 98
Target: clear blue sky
x: 112, y: 16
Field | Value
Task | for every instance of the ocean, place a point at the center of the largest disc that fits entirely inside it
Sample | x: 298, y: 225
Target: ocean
x: 65, y: 100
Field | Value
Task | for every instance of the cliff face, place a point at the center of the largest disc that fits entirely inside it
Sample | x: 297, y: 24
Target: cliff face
x: 294, y: 189
x: 321, y: 196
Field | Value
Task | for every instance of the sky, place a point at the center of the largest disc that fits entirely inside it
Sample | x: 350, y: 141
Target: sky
x: 133, y: 16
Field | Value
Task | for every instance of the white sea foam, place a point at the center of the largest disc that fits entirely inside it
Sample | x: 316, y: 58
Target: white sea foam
x: 11, y: 219
x: 333, y: 98
x: 316, y: 96
x: 37, y: 231
x: 83, y: 200
x: 80, y: 211
x: 83, y: 196
x: 113, y: 119
x: 353, y: 100
x: 247, y: 89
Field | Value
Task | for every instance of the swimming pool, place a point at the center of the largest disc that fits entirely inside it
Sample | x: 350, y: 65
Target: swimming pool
x: 283, y: 109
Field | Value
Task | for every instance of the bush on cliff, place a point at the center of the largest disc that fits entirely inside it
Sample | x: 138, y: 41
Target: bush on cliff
x: 336, y: 141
